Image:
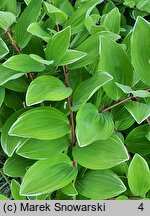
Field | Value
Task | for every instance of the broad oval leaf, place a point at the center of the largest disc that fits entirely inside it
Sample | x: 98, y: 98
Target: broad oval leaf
x: 54, y: 176
x: 139, y: 111
x: 58, y: 45
x: 101, y: 154
x: 136, y: 140
x: 92, y: 125
x: 46, y: 88
x: 6, y: 19
x: 87, y: 88
x: 140, y: 43
x: 44, y: 123
x: 23, y: 63
x: 29, y: 15
x: 16, y: 166
x: 3, y: 49
x: 9, y: 143
x: 139, y: 176
x: 100, y: 184
x: 117, y: 64
x: 42, y: 149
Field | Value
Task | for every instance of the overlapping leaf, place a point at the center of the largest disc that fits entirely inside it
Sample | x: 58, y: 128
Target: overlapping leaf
x: 139, y: 176
x: 117, y: 64
x: 140, y: 43
x: 9, y: 143
x: 136, y: 140
x: 58, y: 45
x: 92, y: 125
x: 6, y: 19
x: 46, y: 88
x: 42, y: 149
x: 87, y: 88
x: 23, y: 63
x: 56, y: 173
x: 139, y: 111
x: 100, y: 184
x: 29, y: 15
x: 44, y: 123
x: 101, y: 154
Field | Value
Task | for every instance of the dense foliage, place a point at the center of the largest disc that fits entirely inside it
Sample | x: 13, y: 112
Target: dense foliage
x: 75, y: 99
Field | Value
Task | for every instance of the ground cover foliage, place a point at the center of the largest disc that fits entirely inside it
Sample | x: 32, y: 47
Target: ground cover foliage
x: 74, y: 99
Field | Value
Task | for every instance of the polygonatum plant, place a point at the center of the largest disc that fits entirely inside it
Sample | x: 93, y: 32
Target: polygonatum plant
x: 74, y: 99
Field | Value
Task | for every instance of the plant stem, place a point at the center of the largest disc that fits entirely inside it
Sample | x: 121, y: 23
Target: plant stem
x: 70, y: 104
x: 119, y: 102
x: 13, y: 42
x: 115, y: 104
x: 17, y: 48
x: 73, y: 141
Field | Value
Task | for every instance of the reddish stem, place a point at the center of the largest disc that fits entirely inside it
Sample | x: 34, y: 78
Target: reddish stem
x: 17, y: 48
x: 70, y: 105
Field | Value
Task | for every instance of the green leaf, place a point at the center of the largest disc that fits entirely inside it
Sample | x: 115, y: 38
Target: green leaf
x: 117, y: 64
x: 46, y: 88
x: 139, y: 176
x: 2, y: 3
x: 15, y: 189
x: 139, y: 111
x: 55, y: 14
x: 87, y: 88
x: 92, y: 125
x: 2, y: 95
x: 91, y: 47
x: 53, y: 174
x: 140, y: 43
x: 58, y: 45
x: 35, y: 29
x: 8, y: 74
x: 100, y: 184
x: 136, y: 140
x: 41, y: 60
x: 76, y: 21
x: 23, y: 63
x: 123, y: 119
x: 101, y: 154
x: 3, y: 49
x: 6, y: 20
x: 71, y: 56
x: 9, y: 143
x: 29, y: 15
x: 16, y: 166
x: 2, y: 197
x: 112, y: 21
x: 17, y: 85
x: 44, y: 123
x: 42, y: 149
x: 128, y: 90
x: 69, y: 190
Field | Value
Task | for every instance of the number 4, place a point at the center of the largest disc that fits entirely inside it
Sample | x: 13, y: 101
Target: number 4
x: 141, y: 207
